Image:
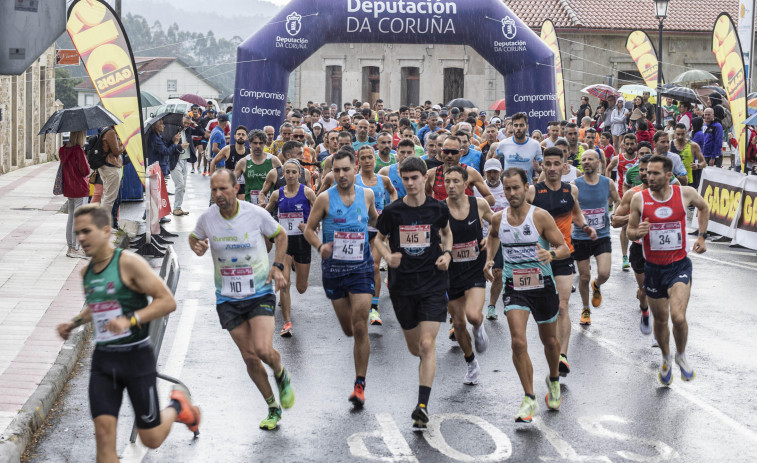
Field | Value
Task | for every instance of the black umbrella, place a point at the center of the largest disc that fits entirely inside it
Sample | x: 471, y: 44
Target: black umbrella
x: 461, y: 103
x: 228, y: 100
x: 79, y: 118
x: 173, y: 123
x: 717, y: 89
x: 681, y: 94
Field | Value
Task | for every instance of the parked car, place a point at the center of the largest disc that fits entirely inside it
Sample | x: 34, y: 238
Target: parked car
x: 175, y: 105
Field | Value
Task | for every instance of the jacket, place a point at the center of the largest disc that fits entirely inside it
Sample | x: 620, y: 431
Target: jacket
x: 158, y: 151
x: 713, y: 140
x: 75, y: 171
x: 114, y: 148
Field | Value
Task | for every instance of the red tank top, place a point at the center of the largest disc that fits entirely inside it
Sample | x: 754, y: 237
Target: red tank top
x: 623, y: 165
x: 440, y: 193
x: 666, y: 241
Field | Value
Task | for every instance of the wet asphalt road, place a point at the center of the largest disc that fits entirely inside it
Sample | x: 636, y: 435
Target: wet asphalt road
x: 613, y: 408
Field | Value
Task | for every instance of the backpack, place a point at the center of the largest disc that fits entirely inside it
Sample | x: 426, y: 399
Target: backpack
x: 94, y: 151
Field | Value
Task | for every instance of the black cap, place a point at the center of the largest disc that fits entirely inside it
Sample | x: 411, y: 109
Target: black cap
x: 223, y: 118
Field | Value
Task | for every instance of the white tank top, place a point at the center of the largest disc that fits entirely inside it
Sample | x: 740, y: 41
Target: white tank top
x: 500, y: 202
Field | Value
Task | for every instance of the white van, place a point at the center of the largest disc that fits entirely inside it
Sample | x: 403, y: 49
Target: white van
x: 176, y: 105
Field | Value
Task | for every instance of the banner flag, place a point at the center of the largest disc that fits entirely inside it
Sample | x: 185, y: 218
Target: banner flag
x: 549, y: 36
x: 746, y: 33
x: 159, y: 205
x: 727, y: 49
x: 746, y: 227
x: 644, y: 55
x: 722, y: 190
x: 101, y: 42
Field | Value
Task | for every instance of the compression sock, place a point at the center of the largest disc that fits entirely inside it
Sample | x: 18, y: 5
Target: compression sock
x: 531, y: 396
x: 360, y: 380
x: 424, y: 392
x: 271, y: 401
x: 555, y: 379
x: 374, y: 302
x: 175, y: 405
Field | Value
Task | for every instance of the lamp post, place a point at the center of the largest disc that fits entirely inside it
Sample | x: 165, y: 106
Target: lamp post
x: 661, y: 12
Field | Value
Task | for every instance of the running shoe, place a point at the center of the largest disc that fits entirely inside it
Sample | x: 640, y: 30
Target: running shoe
x: 382, y: 266
x: 190, y: 414
x: 358, y: 395
x: 665, y: 375
x: 586, y: 316
x: 553, y: 396
x: 420, y: 417
x: 286, y: 331
x: 286, y: 393
x: 374, y: 318
x: 452, y: 333
x: 491, y: 313
x: 480, y: 338
x: 644, y: 325
x: 205, y: 173
x: 193, y: 170
x: 564, y: 366
x: 527, y: 409
x: 626, y: 264
x: 471, y: 377
x: 272, y: 420
x: 596, y: 294
x: 573, y: 289
x: 687, y: 373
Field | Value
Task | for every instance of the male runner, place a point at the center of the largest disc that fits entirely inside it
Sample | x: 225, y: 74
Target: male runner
x: 346, y: 261
x: 275, y: 177
x: 623, y: 161
x: 433, y: 156
x: 361, y: 135
x: 435, y: 179
x: 525, y: 233
x: 405, y: 149
x: 594, y: 193
x: 255, y: 167
x: 293, y: 202
x: 116, y: 286
x: 490, y: 137
x: 466, y: 271
x: 232, y: 154
x: 662, y: 148
x: 384, y: 152
x: 235, y: 232
x: 560, y: 200
x: 520, y: 150
x: 553, y: 134
x: 575, y: 148
x: 419, y: 254
x: 690, y: 152
x: 658, y: 218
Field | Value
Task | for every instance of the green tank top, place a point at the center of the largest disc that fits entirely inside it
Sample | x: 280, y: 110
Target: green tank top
x: 254, y: 178
x: 108, y: 298
x: 381, y: 164
x: 688, y: 159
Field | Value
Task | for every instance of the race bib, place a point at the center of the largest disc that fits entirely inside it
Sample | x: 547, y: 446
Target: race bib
x: 525, y: 279
x: 290, y: 221
x: 465, y: 252
x: 349, y: 246
x: 238, y: 282
x: 665, y: 236
x: 415, y: 236
x: 102, y: 313
x: 595, y: 218
x: 254, y: 196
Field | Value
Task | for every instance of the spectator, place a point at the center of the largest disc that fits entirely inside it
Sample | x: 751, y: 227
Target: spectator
x: 75, y: 172
x: 697, y: 136
x: 685, y: 116
x: 179, y: 162
x: 650, y: 109
x: 713, y: 139
x: 584, y: 110
x: 110, y: 173
x: 644, y: 130
x: 157, y: 148
x: 670, y: 110
x: 618, y: 122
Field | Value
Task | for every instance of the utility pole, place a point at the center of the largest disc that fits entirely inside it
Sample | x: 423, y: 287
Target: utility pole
x: 118, y: 8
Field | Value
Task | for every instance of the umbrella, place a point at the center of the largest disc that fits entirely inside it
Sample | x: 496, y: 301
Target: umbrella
x: 694, y: 76
x: 751, y: 95
x: 751, y: 120
x: 173, y: 123
x: 601, y: 91
x: 681, y: 94
x: 79, y: 118
x: 752, y: 106
x: 461, y: 103
x: 631, y: 91
x: 228, y: 100
x: 717, y: 89
x: 498, y: 105
x: 194, y: 99
x: 148, y: 100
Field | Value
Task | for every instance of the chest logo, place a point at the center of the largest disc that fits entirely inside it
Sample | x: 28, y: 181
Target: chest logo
x: 110, y: 288
x: 663, y: 212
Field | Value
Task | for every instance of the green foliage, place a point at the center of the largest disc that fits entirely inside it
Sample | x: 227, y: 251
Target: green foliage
x: 64, y: 87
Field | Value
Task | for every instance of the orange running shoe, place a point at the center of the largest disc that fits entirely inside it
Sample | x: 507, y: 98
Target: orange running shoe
x: 596, y: 295
x: 358, y: 395
x: 190, y: 414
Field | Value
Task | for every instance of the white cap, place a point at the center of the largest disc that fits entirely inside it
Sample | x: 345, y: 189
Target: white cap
x: 495, y: 120
x: 436, y: 107
x: 492, y: 164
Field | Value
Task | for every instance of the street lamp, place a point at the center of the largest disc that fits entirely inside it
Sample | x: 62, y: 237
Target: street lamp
x: 661, y: 12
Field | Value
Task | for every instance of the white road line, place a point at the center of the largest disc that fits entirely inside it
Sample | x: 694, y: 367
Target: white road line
x: 719, y: 261
x: 173, y: 366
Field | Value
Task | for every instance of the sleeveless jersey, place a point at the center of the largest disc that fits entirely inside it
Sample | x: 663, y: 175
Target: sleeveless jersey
x: 108, y: 298
x: 280, y: 181
x: 440, y: 193
x: 623, y: 165
x: 380, y: 164
x: 394, y: 177
x: 592, y: 199
x: 633, y: 191
x: 234, y: 158
x: 521, y: 264
x: 293, y: 211
x: 467, y: 255
x: 559, y: 204
x: 380, y: 194
x: 254, y: 178
x: 686, y: 157
x: 500, y: 202
x: 347, y: 228
x: 666, y: 241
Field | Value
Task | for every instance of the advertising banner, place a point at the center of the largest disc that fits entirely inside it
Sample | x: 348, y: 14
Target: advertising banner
x: 159, y: 203
x: 722, y: 190
x: 549, y: 36
x: 746, y: 227
x: 101, y: 42
x: 727, y: 49
x: 746, y: 33
x: 66, y: 57
x: 644, y: 55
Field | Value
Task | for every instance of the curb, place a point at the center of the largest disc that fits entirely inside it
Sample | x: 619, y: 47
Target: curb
x: 19, y: 433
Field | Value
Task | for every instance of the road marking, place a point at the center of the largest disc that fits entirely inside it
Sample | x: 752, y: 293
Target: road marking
x: 719, y: 261
x: 503, y: 447
x: 593, y: 425
x: 564, y: 449
x: 174, y: 364
x: 391, y: 436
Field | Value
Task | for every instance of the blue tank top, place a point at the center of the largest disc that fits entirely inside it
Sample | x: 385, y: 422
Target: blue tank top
x: 593, y: 202
x: 298, y: 204
x: 379, y: 193
x: 394, y: 177
x: 351, y: 254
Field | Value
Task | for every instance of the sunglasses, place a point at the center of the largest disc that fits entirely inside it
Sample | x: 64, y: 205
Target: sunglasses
x: 298, y: 136
x: 447, y: 151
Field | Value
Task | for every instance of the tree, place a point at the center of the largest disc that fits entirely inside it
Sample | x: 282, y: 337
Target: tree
x: 64, y: 87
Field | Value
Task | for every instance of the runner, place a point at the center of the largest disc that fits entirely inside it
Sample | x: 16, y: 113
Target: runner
x: 255, y: 167
x: 346, y: 261
x: 405, y: 149
x: 235, y: 232
x: 529, y: 284
x: 385, y: 155
x: 275, y: 177
x: 451, y: 153
x: 383, y: 194
x: 658, y: 218
x: 116, y: 286
x: 560, y: 199
x: 419, y: 254
x: 232, y: 154
x: 690, y: 152
x: 520, y: 150
x: 293, y: 202
x: 467, y: 283
x: 594, y: 192
x: 623, y: 161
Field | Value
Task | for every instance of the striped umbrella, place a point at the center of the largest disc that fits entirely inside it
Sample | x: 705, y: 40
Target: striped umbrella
x: 752, y: 106
x: 601, y: 91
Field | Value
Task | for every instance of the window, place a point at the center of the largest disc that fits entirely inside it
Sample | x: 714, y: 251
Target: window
x: 171, y: 85
x: 454, y: 83
x: 29, y: 114
x: 411, y: 88
x: 89, y: 100
x: 629, y: 77
x: 371, y: 84
x: 334, y: 85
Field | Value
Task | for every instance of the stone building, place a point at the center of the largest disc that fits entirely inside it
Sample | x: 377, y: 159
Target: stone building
x: 26, y: 102
x: 592, y: 35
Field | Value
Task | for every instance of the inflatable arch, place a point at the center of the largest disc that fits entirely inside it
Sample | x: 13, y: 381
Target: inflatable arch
x: 265, y: 60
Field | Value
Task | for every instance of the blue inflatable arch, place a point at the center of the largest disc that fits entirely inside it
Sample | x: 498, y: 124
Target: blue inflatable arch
x: 266, y: 59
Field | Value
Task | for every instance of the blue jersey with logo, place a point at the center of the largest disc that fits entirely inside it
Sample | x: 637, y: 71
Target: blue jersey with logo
x: 593, y: 202
x: 394, y: 177
x: 352, y: 219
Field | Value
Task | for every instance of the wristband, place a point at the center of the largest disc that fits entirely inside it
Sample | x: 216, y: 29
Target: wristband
x: 553, y: 254
x: 586, y: 225
x: 319, y: 248
x: 703, y: 235
x: 77, y: 321
x: 133, y: 321
x: 448, y: 251
x: 139, y: 322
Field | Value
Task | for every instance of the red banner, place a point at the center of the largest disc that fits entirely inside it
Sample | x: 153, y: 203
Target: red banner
x: 160, y: 206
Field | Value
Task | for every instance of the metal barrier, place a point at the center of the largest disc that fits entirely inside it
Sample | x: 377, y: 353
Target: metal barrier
x: 169, y: 272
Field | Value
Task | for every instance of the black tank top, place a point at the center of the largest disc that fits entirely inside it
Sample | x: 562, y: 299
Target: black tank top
x: 233, y: 158
x: 280, y: 181
x: 467, y: 255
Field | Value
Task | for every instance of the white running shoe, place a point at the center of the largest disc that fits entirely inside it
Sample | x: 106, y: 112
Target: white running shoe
x: 687, y: 373
x: 480, y: 338
x: 473, y: 370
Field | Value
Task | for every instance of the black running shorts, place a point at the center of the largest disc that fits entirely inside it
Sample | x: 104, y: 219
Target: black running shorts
x: 233, y: 313
x: 563, y: 267
x: 543, y: 303
x: 299, y: 249
x: 584, y: 249
x: 411, y: 310
x: 636, y: 258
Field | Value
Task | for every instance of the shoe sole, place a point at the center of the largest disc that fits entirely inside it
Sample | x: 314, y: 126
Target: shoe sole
x: 685, y: 378
x: 419, y: 422
x: 586, y: 323
x: 546, y: 397
x: 470, y: 383
x: 357, y: 402
x: 376, y: 323
x: 268, y: 428
x: 659, y: 376
x: 491, y: 317
x: 527, y: 420
x: 563, y: 369
x: 286, y: 334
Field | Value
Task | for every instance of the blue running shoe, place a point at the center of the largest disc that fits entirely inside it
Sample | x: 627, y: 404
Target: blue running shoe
x: 665, y: 374
x: 687, y: 373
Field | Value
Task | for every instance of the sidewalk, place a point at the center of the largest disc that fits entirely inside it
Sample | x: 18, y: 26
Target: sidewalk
x: 39, y: 288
